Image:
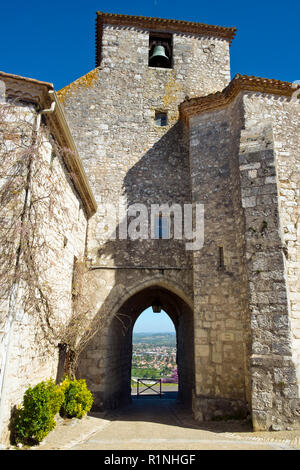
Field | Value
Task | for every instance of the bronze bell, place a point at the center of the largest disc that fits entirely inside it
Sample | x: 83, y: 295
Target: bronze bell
x: 159, y: 57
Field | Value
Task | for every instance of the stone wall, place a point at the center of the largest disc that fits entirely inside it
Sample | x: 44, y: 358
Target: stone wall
x: 236, y: 161
x: 111, y: 113
x: 220, y: 289
x: 32, y: 349
x: 128, y: 158
x: 245, y: 165
x: 269, y: 166
x: 235, y: 302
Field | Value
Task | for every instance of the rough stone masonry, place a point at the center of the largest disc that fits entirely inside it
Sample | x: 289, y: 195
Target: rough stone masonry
x: 237, y: 152
x: 181, y: 132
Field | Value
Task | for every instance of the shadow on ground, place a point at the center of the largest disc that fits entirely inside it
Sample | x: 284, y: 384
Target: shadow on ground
x: 168, y: 411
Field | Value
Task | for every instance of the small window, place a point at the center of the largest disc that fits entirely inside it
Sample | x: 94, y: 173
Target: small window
x: 221, y: 257
x: 162, y: 227
x: 160, y: 50
x: 161, y: 119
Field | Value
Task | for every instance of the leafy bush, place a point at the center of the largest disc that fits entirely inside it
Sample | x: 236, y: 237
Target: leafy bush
x: 35, y: 419
x: 78, y: 399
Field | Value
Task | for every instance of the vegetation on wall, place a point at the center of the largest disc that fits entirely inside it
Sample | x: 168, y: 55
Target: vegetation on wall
x: 34, y: 222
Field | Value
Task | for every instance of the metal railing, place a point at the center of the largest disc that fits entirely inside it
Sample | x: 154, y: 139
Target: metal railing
x: 149, y: 384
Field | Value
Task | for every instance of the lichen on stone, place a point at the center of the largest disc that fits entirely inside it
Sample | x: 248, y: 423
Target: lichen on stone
x: 88, y: 80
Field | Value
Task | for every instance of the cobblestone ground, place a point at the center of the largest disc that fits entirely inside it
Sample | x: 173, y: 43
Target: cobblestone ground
x: 161, y: 424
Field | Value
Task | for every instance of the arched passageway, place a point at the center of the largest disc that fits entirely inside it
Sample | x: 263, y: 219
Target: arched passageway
x: 154, y: 352
x: 115, y: 347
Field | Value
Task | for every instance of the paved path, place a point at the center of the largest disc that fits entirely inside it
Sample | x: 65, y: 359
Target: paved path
x: 161, y: 424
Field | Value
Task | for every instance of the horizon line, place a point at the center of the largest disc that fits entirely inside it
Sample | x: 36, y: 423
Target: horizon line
x: 154, y: 332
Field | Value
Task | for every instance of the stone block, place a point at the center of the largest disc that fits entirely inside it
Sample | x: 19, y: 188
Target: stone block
x: 217, y: 357
x: 249, y: 202
x: 202, y: 351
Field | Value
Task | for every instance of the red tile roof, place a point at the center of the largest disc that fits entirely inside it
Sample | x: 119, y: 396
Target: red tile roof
x: 219, y: 99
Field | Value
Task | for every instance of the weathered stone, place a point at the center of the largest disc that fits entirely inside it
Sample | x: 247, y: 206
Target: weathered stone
x: 234, y: 301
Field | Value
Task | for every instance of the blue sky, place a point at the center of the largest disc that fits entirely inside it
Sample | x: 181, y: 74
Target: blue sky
x: 55, y: 41
x: 149, y: 322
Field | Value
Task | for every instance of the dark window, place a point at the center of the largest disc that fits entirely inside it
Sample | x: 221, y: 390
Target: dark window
x: 160, y: 50
x: 162, y: 227
x: 221, y: 257
x: 161, y: 118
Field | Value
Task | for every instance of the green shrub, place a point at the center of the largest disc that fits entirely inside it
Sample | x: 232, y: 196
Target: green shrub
x: 78, y: 399
x: 35, y: 419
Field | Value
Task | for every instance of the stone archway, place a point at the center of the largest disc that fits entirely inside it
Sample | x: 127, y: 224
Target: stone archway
x: 106, y: 362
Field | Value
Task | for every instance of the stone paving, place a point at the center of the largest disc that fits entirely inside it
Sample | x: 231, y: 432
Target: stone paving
x: 151, y: 423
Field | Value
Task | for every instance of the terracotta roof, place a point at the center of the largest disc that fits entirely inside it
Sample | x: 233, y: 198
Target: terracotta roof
x: 239, y: 83
x: 158, y: 24
x: 26, y: 89
x: 26, y: 79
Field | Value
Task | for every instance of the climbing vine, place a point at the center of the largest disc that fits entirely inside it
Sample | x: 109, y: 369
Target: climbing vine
x: 34, y: 221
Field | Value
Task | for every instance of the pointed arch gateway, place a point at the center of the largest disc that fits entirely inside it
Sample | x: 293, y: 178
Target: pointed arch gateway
x: 111, y: 351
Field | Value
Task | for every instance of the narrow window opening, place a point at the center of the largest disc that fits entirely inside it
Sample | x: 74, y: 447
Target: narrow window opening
x: 221, y: 257
x: 161, y: 227
x: 161, y: 118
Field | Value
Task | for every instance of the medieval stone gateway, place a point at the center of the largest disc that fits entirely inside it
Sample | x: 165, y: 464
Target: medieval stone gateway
x: 160, y: 122
x: 107, y: 360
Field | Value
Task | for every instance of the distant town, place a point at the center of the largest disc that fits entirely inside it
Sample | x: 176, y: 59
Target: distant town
x: 154, y: 356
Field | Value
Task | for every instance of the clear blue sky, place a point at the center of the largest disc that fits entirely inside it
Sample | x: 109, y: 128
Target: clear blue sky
x: 149, y: 322
x: 55, y: 41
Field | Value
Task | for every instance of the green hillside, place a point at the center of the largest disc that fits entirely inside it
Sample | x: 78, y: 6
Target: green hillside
x: 155, y: 339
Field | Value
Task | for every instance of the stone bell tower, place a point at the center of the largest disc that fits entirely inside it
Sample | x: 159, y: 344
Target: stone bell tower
x: 138, y: 150
x: 124, y: 116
